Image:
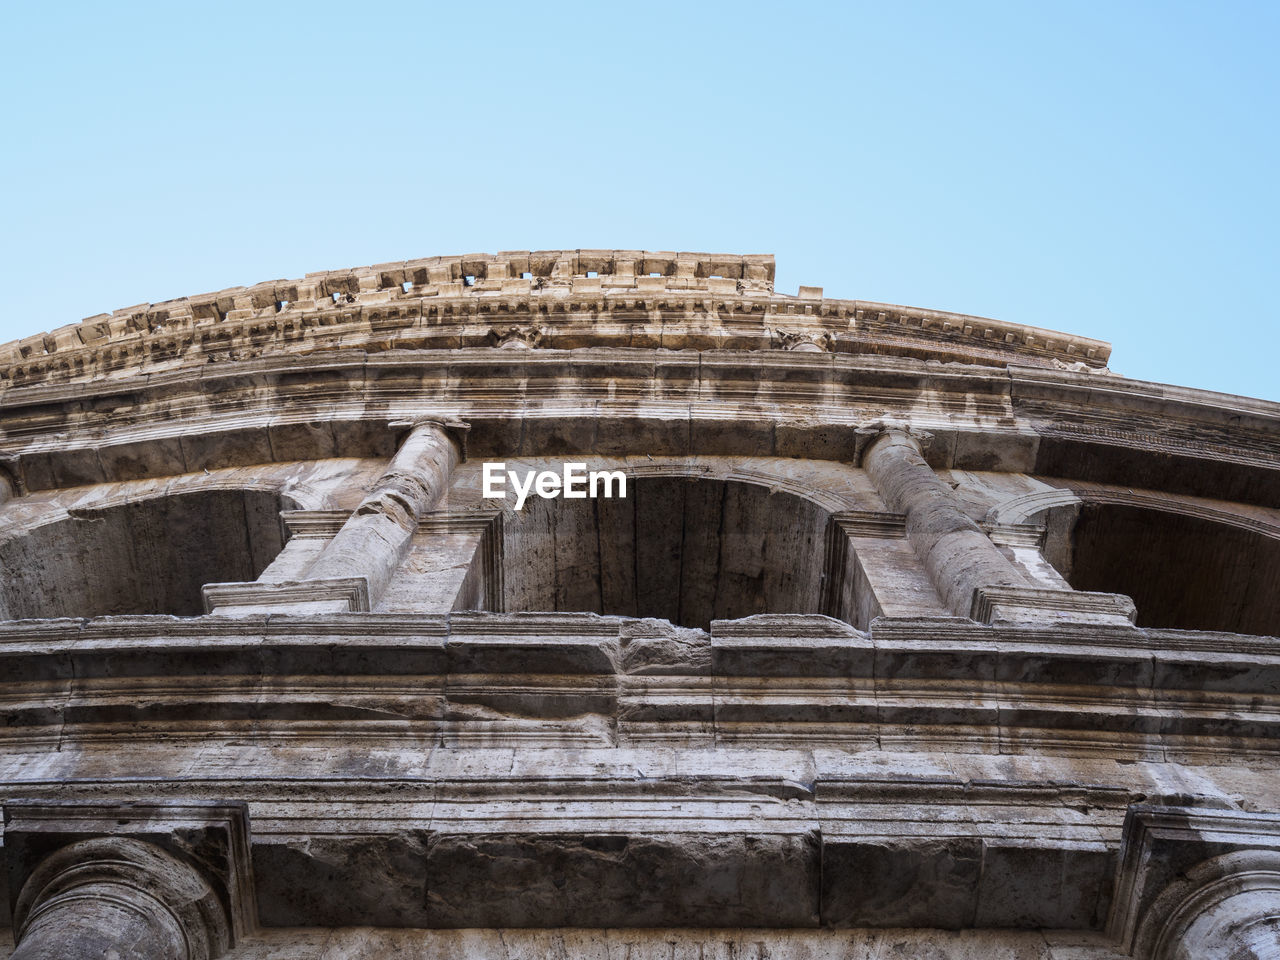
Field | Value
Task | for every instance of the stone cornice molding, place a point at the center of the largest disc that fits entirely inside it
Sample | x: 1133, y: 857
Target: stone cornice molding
x: 1018, y: 604
x: 334, y: 594
x: 557, y: 289
x: 1110, y: 691
x: 290, y: 394
x: 805, y: 341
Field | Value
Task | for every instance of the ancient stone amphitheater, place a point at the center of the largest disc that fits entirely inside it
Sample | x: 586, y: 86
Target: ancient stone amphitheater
x: 917, y: 635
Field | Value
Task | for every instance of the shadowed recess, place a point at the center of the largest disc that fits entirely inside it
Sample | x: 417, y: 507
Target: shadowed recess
x: 149, y: 557
x: 685, y: 550
x: 1183, y: 572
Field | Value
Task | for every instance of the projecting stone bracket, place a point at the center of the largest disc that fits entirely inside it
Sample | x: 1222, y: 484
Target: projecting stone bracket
x: 170, y: 880
x: 1032, y: 604
x: 1198, y: 883
x: 333, y: 595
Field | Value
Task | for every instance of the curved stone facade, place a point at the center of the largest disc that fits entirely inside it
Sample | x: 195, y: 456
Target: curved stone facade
x: 915, y: 634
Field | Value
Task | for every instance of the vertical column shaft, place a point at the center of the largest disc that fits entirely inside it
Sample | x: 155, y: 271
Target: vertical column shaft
x: 374, y: 541
x: 958, y: 556
x: 102, y: 920
x: 118, y: 897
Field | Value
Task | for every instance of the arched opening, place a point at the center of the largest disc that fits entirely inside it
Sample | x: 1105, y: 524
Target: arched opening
x: 148, y: 557
x: 680, y: 549
x: 1182, y: 571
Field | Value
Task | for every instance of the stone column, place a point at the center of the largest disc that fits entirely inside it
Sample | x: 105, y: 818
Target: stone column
x: 1224, y: 908
x: 958, y: 556
x: 1243, y: 926
x: 970, y: 574
x: 118, y: 897
x: 373, y: 542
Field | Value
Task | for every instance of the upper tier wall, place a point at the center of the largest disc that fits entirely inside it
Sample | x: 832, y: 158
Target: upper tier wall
x: 562, y: 298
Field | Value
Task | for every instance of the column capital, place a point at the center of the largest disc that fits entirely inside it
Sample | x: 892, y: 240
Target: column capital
x: 456, y: 429
x: 877, y: 432
x: 176, y: 875
x: 117, y: 896
x: 1197, y: 883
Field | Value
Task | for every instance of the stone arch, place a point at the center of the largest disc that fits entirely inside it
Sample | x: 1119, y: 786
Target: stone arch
x: 1187, y: 563
x: 140, y: 551
x: 761, y: 474
x: 1024, y: 509
x: 683, y: 546
x: 301, y: 496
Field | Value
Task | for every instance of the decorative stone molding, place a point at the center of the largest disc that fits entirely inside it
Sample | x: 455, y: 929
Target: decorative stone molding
x: 416, y: 298
x: 332, y: 595
x: 1105, y: 691
x: 162, y: 881
x: 1015, y: 534
x: 805, y: 341
x: 516, y: 337
x: 871, y: 523
x: 314, y: 524
x: 1024, y: 604
x: 1198, y: 884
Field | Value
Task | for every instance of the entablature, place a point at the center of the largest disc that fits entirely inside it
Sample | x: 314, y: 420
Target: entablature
x: 574, y: 298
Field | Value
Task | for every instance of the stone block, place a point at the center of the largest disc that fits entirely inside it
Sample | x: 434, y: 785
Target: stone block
x: 343, y: 881
x: 608, y: 880
x: 918, y: 883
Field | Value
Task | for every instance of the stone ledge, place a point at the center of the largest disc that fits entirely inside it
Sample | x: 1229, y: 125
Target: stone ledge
x: 548, y: 679
x: 335, y: 595
x: 350, y: 943
x: 1036, y: 605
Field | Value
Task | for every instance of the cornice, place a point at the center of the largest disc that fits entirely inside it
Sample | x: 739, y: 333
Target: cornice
x: 793, y: 680
x: 786, y: 403
x: 573, y: 298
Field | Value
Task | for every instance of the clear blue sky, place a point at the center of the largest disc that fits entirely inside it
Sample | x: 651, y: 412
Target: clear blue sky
x: 1108, y: 169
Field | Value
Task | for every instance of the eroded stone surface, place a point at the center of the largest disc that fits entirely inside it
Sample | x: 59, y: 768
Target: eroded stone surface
x: 811, y: 691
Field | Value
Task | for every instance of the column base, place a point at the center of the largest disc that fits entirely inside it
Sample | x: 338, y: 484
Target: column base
x: 1037, y: 605
x: 335, y: 595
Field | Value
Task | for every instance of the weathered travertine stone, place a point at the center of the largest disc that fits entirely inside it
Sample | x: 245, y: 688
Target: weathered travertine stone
x: 376, y: 538
x: 118, y: 897
x: 958, y: 555
x: 809, y: 690
x: 1198, y: 883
